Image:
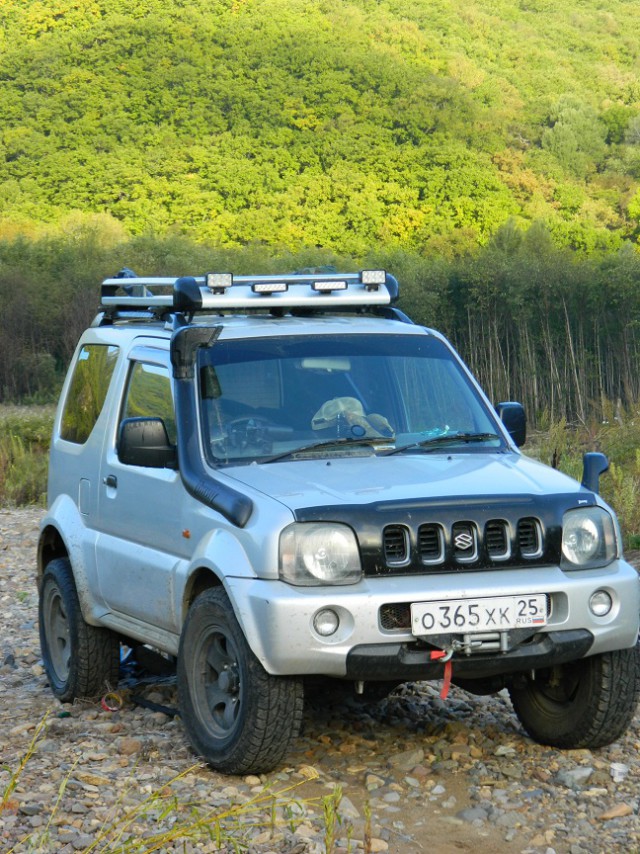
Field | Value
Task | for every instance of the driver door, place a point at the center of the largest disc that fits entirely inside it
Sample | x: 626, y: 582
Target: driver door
x: 140, y: 518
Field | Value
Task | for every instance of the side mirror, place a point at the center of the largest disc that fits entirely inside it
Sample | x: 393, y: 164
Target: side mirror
x: 145, y: 442
x: 593, y: 465
x: 514, y: 419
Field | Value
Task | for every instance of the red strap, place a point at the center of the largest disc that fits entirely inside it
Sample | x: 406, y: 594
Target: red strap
x: 436, y: 654
x: 448, y: 670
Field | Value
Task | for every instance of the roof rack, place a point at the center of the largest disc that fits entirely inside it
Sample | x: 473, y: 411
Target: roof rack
x: 311, y: 291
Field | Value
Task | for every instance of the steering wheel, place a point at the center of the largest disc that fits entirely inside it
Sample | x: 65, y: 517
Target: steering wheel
x: 250, y: 431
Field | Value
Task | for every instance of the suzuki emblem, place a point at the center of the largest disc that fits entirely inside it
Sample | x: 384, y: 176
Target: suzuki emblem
x: 463, y: 541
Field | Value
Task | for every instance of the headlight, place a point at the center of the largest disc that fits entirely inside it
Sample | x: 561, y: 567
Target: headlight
x: 588, y: 538
x: 313, y: 554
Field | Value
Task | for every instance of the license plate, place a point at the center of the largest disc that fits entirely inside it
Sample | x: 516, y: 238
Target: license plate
x: 466, y: 616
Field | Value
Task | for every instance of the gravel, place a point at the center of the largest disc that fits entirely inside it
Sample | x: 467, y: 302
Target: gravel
x: 413, y: 773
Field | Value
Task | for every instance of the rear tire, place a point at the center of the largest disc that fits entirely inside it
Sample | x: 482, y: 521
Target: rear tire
x: 81, y: 661
x: 238, y: 717
x: 584, y: 704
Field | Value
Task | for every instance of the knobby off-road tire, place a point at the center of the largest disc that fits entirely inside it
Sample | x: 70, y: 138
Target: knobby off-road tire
x: 585, y: 704
x: 238, y: 717
x: 81, y: 661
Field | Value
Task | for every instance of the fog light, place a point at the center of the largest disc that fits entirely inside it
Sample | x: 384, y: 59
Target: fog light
x: 326, y: 622
x: 600, y: 603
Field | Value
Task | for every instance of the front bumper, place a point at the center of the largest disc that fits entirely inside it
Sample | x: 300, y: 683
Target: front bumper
x: 278, y: 622
x: 411, y: 662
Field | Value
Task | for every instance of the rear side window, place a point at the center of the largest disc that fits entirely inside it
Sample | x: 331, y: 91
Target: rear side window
x: 87, y: 391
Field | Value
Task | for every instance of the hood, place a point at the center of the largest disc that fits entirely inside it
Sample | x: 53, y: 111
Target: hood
x: 362, y: 480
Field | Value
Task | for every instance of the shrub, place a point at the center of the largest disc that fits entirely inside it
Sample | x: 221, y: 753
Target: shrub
x: 24, y: 449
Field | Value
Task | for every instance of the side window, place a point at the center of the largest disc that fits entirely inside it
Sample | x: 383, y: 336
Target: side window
x: 87, y: 391
x: 149, y: 395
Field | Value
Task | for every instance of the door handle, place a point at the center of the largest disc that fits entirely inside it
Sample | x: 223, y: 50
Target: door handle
x: 111, y: 480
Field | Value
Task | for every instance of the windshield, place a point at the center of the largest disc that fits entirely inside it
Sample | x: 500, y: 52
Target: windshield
x: 293, y: 397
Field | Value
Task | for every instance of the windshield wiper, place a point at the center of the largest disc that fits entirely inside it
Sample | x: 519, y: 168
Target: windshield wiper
x: 327, y: 443
x: 446, y: 439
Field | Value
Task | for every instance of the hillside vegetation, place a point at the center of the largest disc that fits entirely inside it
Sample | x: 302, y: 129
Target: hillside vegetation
x: 419, y: 124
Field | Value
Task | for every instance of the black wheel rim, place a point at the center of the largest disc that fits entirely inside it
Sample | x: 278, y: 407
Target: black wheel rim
x: 559, y: 686
x: 57, y: 631
x: 219, y: 686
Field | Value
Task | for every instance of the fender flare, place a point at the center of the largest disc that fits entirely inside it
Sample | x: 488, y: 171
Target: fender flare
x: 64, y: 516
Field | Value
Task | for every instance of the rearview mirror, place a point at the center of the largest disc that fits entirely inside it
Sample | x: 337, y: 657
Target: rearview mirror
x: 325, y: 363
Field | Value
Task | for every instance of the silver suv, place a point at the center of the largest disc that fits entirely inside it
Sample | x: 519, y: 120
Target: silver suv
x: 280, y: 480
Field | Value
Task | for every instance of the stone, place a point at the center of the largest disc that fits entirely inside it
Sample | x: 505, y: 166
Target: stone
x: 346, y: 808
x: 472, y: 814
x: 407, y: 760
x: 509, y: 819
x: 505, y: 750
x: 617, y: 811
x: 129, y: 746
x: 90, y: 779
x: 373, y: 782
x: 30, y: 809
x: 574, y: 778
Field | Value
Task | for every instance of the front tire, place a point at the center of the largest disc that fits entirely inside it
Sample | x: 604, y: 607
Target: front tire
x: 81, y: 661
x: 587, y: 703
x: 238, y: 717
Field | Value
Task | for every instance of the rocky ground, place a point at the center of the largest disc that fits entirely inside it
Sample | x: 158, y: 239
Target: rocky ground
x: 416, y: 773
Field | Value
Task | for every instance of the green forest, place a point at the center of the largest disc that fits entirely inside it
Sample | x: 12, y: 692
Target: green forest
x: 424, y: 124
x: 486, y: 152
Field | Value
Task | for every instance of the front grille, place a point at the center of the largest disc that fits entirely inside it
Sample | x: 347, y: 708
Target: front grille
x: 496, y: 537
x: 431, y: 544
x: 396, y: 545
x: 529, y: 538
x: 461, y: 546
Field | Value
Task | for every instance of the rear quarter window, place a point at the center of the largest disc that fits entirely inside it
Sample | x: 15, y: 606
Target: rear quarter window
x: 87, y: 391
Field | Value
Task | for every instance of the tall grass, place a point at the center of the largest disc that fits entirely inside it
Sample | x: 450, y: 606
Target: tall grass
x: 25, y: 434
x: 618, y: 437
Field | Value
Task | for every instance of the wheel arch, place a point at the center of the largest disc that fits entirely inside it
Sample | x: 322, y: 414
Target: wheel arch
x: 217, y: 551
x: 201, y: 579
x: 51, y: 545
x: 64, y: 534
x: 206, y: 578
